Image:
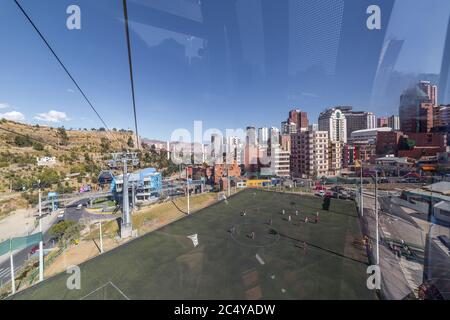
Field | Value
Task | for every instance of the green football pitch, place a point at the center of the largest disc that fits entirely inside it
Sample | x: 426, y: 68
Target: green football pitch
x: 263, y: 254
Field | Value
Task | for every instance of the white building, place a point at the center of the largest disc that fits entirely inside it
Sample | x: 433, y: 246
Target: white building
x: 394, y: 122
x: 333, y: 121
x: 367, y: 136
x: 235, y: 149
x: 263, y: 136
x: 282, y: 162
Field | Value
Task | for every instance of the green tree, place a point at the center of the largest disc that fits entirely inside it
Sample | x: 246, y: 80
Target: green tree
x: 66, y: 230
x: 38, y: 146
x: 130, y: 142
x: 23, y: 141
x: 62, y: 134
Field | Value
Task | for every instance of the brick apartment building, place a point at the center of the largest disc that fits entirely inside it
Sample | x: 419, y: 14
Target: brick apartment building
x: 309, y: 154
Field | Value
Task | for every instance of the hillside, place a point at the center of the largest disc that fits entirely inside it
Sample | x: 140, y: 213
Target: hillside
x: 84, y: 152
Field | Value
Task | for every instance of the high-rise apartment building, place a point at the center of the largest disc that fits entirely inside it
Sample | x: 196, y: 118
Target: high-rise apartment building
x: 335, y: 150
x: 234, y: 150
x: 358, y: 120
x: 300, y: 119
x: 263, y: 136
x: 416, y: 110
x: 251, y: 150
x: 309, y: 154
x: 288, y: 127
x: 394, y: 122
x: 382, y: 122
x: 430, y: 90
x: 285, y: 141
x: 334, y: 122
x: 441, y: 115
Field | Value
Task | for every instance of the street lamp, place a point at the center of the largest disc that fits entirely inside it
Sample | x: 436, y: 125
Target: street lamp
x: 101, y: 238
x: 377, y: 249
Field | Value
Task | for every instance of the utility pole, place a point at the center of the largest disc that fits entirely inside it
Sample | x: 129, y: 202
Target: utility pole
x: 376, y: 218
x: 229, y: 181
x: 41, y: 244
x: 122, y: 159
x: 187, y: 189
x: 126, y: 223
x: 11, y: 261
x: 361, y: 202
x: 101, y: 238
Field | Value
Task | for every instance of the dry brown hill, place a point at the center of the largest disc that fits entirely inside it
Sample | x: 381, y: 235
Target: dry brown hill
x: 76, y: 151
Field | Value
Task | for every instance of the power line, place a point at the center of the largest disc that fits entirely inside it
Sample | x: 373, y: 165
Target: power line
x: 130, y: 63
x: 31, y: 138
x: 61, y: 63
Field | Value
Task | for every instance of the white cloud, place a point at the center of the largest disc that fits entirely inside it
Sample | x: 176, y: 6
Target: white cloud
x: 13, y: 116
x: 4, y: 105
x: 52, y: 116
x: 70, y: 90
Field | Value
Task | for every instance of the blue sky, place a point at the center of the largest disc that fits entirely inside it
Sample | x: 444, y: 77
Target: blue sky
x: 227, y: 66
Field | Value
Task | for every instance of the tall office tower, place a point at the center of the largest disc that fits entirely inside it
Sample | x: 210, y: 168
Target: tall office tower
x: 358, y: 120
x: 430, y: 90
x: 300, y: 119
x: 251, y: 136
x: 285, y: 141
x: 234, y: 150
x: 263, y: 136
x: 382, y: 122
x: 334, y: 122
x: 216, y: 147
x: 394, y: 122
x: 416, y: 110
x: 274, y: 136
x: 309, y: 154
x: 251, y: 150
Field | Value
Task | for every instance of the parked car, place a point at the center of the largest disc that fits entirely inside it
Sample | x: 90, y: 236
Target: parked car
x: 320, y: 193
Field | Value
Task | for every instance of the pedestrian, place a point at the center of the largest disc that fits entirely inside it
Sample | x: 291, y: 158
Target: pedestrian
x: 306, y: 219
x: 252, y: 235
x: 296, y: 212
x: 289, y: 218
x: 270, y: 222
x: 283, y: 211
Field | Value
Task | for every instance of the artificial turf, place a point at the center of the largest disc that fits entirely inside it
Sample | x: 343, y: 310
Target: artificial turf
x: 285, y: 260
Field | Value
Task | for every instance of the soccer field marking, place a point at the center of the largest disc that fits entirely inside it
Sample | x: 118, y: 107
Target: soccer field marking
x: 260, y: 260
x: 104, y: 286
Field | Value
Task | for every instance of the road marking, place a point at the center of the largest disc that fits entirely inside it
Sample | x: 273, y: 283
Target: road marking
x: 4, y: 272
x: 260, y: 260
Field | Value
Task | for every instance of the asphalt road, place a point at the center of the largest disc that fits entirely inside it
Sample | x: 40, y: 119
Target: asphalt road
x: 20, y: 258
x: 72, y: 213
